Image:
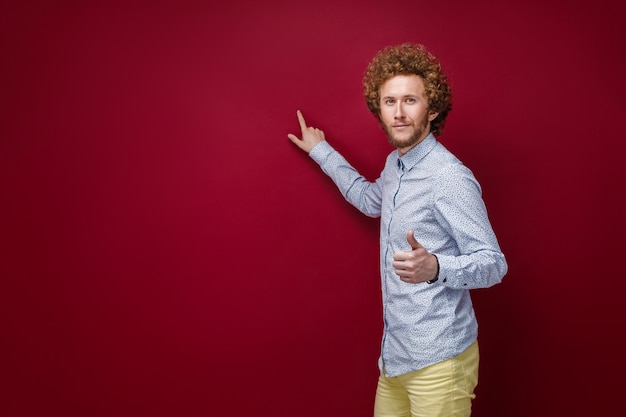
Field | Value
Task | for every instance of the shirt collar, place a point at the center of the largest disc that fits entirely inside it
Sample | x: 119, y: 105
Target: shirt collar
x: 417, y: 153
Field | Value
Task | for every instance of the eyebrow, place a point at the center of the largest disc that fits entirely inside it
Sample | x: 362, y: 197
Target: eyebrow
x: 405, y: 96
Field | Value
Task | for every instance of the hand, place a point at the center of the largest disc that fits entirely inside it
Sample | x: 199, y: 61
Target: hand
x: 310, y: 135
x: 416, y: 265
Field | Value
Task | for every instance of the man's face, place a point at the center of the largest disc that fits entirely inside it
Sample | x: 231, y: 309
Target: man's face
x: 404, y: 113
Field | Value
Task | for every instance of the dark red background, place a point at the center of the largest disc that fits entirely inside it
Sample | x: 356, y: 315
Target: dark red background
x: 165, y: 251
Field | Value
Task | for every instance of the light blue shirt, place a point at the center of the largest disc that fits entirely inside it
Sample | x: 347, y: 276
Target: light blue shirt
x: 430, y: 191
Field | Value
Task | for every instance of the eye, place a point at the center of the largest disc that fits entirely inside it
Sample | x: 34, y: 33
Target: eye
x: 411, y: 100
x: 389, y: 101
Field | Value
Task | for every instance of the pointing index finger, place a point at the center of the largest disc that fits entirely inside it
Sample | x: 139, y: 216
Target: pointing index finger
x: 301, y: 120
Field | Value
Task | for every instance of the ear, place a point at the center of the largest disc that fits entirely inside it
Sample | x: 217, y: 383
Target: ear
x: 432, y: 116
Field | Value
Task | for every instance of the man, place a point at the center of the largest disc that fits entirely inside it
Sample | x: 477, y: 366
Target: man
x: 436, y: 241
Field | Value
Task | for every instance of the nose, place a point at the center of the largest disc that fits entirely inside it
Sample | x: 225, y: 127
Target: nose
x: 399, y: 111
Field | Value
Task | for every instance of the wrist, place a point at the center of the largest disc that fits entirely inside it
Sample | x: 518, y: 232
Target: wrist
x: 431, y: 281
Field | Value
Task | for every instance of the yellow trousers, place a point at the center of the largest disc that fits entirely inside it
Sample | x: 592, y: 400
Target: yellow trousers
x: 445, y: 389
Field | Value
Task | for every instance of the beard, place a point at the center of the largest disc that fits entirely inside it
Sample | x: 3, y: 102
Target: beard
x: 419, y: 133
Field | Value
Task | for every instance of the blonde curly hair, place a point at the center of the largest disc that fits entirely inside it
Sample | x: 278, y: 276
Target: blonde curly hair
x: 407, y: 59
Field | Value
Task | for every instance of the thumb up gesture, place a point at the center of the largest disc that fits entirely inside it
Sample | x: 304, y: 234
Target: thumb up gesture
x: 415, y: 265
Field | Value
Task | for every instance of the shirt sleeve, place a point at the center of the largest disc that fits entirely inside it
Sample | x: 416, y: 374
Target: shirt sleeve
x: 361, y: 193
x: 460, y: 210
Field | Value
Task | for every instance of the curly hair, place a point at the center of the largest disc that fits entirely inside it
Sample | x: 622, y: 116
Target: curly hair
x: 407, y: 59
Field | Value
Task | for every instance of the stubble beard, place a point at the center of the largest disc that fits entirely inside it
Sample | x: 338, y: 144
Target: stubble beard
x: 420, y: 132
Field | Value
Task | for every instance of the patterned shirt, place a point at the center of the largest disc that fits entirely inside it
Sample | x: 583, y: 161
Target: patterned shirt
x: 427, y: 190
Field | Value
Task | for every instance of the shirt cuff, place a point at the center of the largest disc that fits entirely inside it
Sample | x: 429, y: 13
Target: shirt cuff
x: 446, y: 269
x: 320, y: 152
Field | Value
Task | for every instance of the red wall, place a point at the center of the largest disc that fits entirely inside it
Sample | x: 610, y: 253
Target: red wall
x: 166, y: 251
